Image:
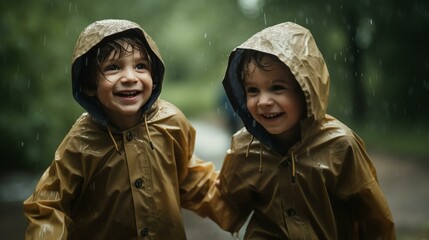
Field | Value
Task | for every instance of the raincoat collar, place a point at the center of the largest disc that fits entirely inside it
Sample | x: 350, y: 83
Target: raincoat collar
x: 296, y: 48
x: 89, y: 38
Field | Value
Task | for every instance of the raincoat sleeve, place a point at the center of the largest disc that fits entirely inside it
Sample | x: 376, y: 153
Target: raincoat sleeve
x: 358, y: 183
x: 233, y: 185
x: 48, y: 208
x: 198, y: 189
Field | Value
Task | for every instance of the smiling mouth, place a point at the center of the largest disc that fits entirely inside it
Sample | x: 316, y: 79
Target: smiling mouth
x: 127, y: 94
x: 272, y: 115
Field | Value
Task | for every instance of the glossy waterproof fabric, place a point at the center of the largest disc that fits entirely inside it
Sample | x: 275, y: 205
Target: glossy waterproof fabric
x: 335, y: 194
x: 93, y: 190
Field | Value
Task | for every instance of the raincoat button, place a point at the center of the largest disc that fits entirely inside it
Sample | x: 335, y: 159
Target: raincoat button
x: 291, y: 212
x: 129, y: 136
x: 139, y: 183
x: 144, y: 232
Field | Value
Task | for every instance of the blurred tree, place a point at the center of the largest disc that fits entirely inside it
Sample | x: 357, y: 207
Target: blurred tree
x: 375, y: 50
x: 400, y: 51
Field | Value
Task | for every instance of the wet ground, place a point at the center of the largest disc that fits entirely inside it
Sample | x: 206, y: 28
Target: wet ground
x: 404, y: 180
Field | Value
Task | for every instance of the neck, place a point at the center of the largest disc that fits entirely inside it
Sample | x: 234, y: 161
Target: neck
x: 124, y: 122
x: 290, y: 137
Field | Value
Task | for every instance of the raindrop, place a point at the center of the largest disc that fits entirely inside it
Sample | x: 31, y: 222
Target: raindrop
x: 426, y: 84
x: 205, y: 35
x: 22, y: 144
x: 235, y: 236
x: 17, y: 71
x: 37, y: 137
x: 251, y: 8
x: 46, y: 229
x: 92, y: 186
x: 328, y: 8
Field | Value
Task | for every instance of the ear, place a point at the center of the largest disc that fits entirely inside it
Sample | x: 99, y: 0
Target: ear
x: 89, y: 93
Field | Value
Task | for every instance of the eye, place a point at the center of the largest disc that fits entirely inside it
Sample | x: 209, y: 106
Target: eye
x: 110, y: 68
x: 141, y: 66
x: 278, y: 87
x: 252, y: 91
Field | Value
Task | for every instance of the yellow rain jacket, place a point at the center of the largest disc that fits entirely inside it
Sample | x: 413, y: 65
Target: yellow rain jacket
x: 324, y: 186
x: 110, y: 184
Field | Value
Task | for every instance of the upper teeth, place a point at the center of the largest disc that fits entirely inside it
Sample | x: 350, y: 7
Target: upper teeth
x: 127, y: 93
x: 271, y: 115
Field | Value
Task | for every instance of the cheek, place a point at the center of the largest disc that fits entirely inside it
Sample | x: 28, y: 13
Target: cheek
x: 148, y: 87
x: 250, y: 103
x: 147, y: 80
x: 298, y: 105
x: 251, y: 106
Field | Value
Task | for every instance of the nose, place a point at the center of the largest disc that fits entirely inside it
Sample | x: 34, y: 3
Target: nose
x: 265, y: 99
x: 129, y: 75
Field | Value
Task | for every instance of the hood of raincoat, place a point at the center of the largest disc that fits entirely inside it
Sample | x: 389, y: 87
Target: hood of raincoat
x: 295, y: 46
x: 89, y: 38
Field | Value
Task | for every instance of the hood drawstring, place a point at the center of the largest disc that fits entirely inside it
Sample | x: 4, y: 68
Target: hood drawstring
x: 260, y: 152
x: 260, y: 157
x: 248, y: 146
x: 291, y: 156
x: 147, y: 131
x: 113, y: 140
x: 293, y: 168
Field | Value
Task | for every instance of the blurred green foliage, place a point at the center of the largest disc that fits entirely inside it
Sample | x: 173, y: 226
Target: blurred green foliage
x: 376, y: 53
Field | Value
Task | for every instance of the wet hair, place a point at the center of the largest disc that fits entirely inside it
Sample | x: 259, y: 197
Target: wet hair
x: 252, y: 56
x: 113, y: 44
x: 249, y: 56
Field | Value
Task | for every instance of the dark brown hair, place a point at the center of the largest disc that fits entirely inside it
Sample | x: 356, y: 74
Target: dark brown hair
x: 249, y: 56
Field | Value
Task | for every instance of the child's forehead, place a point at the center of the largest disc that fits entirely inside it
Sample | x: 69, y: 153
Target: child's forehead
x: 126, y: 49
x: 272, y: 72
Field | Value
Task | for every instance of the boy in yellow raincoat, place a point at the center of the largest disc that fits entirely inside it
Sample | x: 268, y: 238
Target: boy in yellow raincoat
x: 300, y: 172
x: 127, y: 166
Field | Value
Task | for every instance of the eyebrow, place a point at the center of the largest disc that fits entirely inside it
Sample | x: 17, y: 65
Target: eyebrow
x: 117, y: 57
x: 281, y: 80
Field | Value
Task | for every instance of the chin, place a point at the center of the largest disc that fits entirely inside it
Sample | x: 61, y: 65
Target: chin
x: 274, y: 131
